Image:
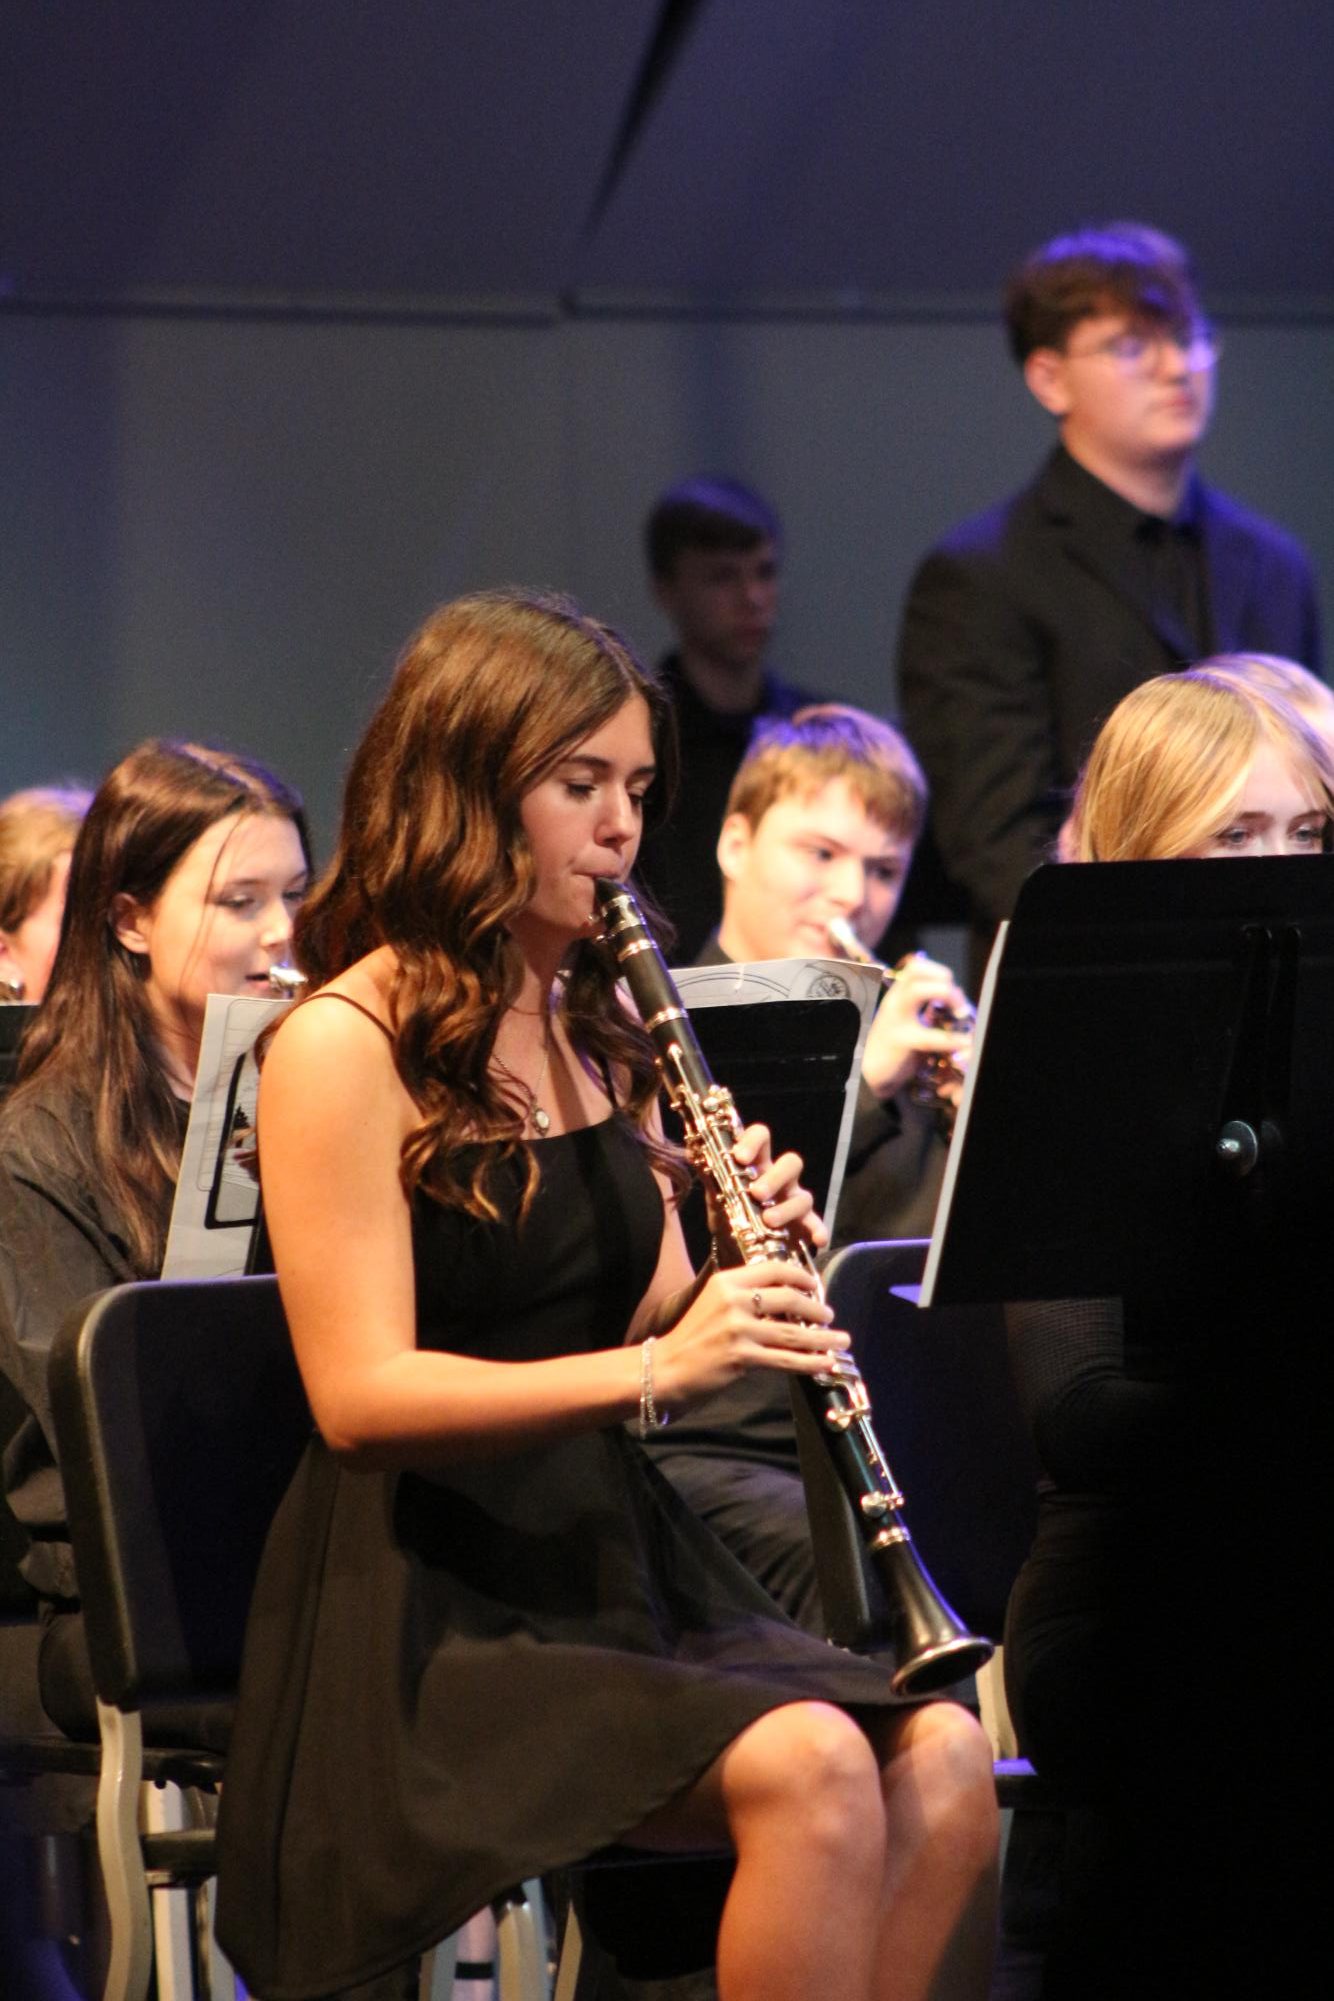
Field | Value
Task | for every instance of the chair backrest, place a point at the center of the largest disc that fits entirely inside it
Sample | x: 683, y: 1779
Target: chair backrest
x: 180, y: 1418
x: 948, y: 1419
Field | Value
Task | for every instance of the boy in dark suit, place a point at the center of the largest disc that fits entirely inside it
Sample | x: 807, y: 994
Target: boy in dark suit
x: 1026, y: 625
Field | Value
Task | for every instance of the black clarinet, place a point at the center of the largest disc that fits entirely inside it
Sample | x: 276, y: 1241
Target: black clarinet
x: 932, y: 1646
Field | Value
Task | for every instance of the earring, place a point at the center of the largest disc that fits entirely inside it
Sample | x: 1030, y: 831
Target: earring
x: 12, y: 988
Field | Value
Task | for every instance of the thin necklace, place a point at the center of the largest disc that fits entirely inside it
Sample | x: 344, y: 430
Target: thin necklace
x: 537, y: 1118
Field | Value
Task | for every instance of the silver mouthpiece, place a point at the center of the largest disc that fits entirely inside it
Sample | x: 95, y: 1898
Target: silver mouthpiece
x: 849, y: 944
x: 286, y: 981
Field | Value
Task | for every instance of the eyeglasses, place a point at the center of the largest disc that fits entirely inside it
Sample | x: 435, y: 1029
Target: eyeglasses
x: 1139, y: 351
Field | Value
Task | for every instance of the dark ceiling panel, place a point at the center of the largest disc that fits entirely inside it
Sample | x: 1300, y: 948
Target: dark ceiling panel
x: 413, y: 147
x: 835, y: 153
x: 863, y: 148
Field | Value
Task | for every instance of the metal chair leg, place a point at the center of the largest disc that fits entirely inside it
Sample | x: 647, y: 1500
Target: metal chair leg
x: 121, y: 1856
x: 163, y: 1809
x: 521, y: 1958
x: 582, y: 1959
x: 571, y: 1957
x: 435, y: 1982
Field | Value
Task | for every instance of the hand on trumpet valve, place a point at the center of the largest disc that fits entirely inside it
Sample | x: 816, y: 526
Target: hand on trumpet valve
x: 922, y: 1034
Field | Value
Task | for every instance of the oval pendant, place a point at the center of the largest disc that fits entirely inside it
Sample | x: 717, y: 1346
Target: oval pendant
x: 541, y: 1123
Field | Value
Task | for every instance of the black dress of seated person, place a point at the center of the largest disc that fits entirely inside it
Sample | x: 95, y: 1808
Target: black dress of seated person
x: 458, y: 1680
x: 1161, y: 1635
x: 60, y: 1240
x: 733, y: 1456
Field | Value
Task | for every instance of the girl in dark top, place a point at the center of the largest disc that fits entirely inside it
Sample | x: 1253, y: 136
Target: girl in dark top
x: 488, y: 1638
x: 183, y: 882
x: 1122, y: 1659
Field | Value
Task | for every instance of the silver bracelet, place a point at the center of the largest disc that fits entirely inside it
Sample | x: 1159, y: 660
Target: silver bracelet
x: 650, y: 1418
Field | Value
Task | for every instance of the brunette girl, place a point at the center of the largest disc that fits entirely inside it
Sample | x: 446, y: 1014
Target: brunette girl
x: 488, y: 1637
x: 183, y: 882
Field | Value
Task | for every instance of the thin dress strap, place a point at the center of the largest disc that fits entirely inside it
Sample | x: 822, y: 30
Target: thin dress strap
x: 327, y: 993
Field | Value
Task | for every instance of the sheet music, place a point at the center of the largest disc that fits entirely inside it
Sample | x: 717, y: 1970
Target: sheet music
x: 217, y: 1195
x: 790, y: 980
x: 955, y: 1155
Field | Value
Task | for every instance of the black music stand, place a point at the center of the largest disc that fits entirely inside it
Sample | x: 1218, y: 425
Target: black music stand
x: 1151, y: 1104
x: 789, y: 1064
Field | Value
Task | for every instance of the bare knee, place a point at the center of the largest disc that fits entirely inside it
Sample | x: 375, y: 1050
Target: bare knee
x: 811, y: 1768
x: 939, y: 1779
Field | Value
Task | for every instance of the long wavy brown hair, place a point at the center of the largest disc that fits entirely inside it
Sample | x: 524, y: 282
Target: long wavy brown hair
x: 93, y: 1036
x: 432, y: 861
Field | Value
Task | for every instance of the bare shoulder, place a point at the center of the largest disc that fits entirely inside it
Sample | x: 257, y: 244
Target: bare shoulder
x: 334, y: 1054
x: 318, y: 1032
x: 332, y: 1118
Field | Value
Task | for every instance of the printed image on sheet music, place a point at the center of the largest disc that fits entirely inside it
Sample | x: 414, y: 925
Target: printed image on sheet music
x: 217, y: 1195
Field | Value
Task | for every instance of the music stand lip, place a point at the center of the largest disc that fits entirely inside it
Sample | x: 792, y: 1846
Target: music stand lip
x: 1134, y: 1015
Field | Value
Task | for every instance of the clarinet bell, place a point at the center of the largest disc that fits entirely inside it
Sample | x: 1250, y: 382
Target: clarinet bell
x: 932, y: 1646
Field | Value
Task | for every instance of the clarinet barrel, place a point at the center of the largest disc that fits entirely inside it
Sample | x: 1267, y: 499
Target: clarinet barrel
x: 932, y: 1646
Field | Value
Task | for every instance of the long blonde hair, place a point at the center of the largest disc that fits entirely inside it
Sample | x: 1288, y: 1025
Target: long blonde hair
x: 1271, y: 674
x: 1171, y: 760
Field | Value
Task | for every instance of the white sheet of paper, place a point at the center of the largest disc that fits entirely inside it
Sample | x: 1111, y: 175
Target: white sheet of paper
x: 217, y: 1195
x: 955, y: 1158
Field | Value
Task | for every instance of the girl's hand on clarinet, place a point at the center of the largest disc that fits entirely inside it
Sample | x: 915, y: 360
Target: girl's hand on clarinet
x: 784, y: 1205
x: 766, y: 1315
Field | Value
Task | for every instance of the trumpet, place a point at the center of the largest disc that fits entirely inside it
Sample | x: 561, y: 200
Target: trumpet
x: 931, y: 1644
x: 938, y: 1072
x: 286, y: 982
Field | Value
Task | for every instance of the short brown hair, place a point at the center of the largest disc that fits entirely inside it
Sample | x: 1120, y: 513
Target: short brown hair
x: 825, y: 741
x: 1124, y: 267
x: 36, y: 828
x: 709, y: 514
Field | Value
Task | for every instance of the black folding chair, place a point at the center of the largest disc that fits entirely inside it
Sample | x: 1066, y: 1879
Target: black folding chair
x: 45, y: 1777
x: 180, y: 1418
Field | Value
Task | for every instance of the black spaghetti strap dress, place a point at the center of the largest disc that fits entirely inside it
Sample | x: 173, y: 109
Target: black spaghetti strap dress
x: 456, y: 1681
